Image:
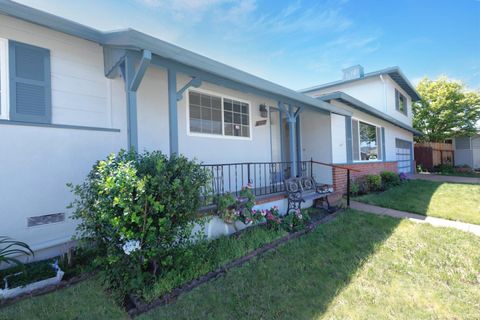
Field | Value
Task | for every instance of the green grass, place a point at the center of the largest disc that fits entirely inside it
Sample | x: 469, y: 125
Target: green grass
x: 209, y: 256
x: 463, y: 174
x: 453, y: 201
x: 85, y: 300
x: 358, y: 266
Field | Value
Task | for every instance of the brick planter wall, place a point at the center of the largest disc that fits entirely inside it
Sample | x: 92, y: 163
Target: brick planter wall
x: 340, y: 175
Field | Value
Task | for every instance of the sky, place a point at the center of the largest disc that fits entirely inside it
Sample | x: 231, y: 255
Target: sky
x: 300, y: 43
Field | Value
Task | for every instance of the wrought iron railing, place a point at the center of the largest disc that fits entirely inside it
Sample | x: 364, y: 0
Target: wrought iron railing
x: 264, y: 178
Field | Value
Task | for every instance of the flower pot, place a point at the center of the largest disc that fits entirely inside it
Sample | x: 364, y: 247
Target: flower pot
x: 13, y: 292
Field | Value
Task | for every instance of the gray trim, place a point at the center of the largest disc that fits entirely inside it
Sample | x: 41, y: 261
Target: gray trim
x: 173, y: 111
x: 359, y: 105
x: 384, y: 152
x: 57, y: 126
x: 282, y: 132
x: 128, y: 70
x: 14, y: 48
x: 348, y: 137
x: 394, y: 72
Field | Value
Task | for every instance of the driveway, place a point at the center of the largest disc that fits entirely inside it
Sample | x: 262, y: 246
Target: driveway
x: 440, y: 178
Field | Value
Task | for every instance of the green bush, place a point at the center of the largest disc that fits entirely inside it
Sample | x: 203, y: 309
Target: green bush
x: 390, y: 179
x: 374, y: 182
x: 295, y: 220
x: 363, y: 185
x: 444, y: 169
x: 139, y: 211
x: 354, y: 187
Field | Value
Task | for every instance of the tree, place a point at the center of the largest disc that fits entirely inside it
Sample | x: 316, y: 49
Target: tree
x: 446, y: 109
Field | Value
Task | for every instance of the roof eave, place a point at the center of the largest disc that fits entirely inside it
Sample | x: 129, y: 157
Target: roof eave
x: 361, y: 106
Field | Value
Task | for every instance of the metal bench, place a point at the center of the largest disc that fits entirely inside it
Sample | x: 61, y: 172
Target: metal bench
x: 306, y: 188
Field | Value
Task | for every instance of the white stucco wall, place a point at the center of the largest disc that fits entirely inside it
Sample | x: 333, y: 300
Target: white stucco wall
x: 376, y: 93
x: 316, y: 142
x: 80, y: 91
x: 392, y: 132
x: 37, y: 162
x: 339, y: 149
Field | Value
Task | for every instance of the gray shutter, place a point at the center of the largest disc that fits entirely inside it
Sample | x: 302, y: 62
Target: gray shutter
x: 384, y: 151
x: 379, y: 143
x: 355, y: 140
x: 397, y: 105
x: 30, y: 83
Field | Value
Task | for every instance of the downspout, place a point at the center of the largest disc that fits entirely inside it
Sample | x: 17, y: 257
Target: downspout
x: 384, y: 93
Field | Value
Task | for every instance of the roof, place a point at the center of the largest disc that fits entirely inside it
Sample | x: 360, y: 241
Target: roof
x: 359, y: 105
x: 136, y: 40
x: 394, y: 72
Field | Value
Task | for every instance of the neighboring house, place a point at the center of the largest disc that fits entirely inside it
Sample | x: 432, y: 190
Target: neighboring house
x: 467, y: 151
x: 381, y: 122
x: 70, y: 95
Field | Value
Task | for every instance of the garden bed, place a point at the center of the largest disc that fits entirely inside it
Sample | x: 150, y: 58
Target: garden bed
x: 225, y: 253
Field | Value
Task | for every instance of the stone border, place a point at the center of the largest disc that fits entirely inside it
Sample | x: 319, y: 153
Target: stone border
x: 142, y: 307
x: 38, y: 292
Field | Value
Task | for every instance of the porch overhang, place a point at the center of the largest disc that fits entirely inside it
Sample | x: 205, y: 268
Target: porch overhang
x: 361, y: 106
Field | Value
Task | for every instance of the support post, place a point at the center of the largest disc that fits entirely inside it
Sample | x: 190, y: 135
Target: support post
x: 291, y: 130
x: 172, y: 111
x: 128, y: 71
x: 282, y: 131
x: 348, y: 136
x: 348, y: 188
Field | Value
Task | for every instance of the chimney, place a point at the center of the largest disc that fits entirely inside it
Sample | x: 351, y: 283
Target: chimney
x: 353, y: 72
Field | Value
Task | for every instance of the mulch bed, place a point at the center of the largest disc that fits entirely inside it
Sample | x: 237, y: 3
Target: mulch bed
x: 141, y: 306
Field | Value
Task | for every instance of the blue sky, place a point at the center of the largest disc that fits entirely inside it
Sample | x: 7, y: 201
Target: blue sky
x: 303, y: 43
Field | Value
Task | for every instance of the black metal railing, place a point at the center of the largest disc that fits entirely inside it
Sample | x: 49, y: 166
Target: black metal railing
x: 264, y: 178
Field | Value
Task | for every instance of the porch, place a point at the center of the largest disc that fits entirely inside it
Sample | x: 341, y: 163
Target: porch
x: 266, y: 179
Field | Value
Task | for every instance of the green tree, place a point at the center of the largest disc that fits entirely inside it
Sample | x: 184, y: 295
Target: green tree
x: 447, y: 109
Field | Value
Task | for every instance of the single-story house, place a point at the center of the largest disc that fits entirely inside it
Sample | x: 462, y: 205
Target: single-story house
x: 71, y: 95
x: 467, y: 151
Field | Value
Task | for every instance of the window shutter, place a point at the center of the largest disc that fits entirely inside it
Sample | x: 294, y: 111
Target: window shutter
x: 397, y: 105
x: 355, y: 140
x: 30, y: 83
x: 379, y: 143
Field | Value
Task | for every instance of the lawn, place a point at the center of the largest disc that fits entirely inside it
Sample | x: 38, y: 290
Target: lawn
x: 453, y: 201
x: 358, y: 266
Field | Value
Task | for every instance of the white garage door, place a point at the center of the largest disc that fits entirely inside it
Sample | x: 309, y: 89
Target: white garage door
x: 404, y: 155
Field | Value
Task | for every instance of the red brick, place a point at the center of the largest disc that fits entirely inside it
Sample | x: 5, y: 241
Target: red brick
x: 340, y: 175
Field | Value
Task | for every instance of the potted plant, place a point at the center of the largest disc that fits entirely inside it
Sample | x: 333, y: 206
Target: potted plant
x: 24, y: 279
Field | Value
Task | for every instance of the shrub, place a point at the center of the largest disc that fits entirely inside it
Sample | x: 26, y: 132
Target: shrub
x: 354, y: 187
x: 9, y: 247
x: 390, y: 179
x: 444, y: 168
x: 138, y: 210
x: 363, y: 185
x: 295, y: 220
x: 374, y: 182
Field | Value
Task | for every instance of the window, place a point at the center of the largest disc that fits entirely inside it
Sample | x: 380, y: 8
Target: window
x: 3, y: 79
x: 215, y: 115
x: 367, y: 141
x: 236, y: 118
x: 400, y: 102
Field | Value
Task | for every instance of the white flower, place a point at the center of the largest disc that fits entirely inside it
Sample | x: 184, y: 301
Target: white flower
x: 130, y: 246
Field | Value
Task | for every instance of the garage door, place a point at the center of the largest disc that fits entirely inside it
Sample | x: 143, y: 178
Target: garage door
x: 404, y: 155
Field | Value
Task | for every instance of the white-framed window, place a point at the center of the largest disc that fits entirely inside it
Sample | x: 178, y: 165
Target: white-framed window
x: 400, y: 102
x: 216, y: 115
x: 4, y: 111
x: 366, y: 141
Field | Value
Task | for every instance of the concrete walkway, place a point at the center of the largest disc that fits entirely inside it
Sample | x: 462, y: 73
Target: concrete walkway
x: 441, y: 178
x: 438, y: 222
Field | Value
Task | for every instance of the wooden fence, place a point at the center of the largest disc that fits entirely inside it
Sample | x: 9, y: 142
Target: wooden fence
x: 431, y: 154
